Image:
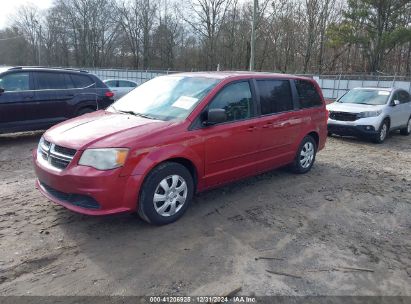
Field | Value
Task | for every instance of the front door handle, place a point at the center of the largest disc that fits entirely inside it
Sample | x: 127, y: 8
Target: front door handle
x: 251, y: 129
x: 268, y: 125
x: 28, y: 97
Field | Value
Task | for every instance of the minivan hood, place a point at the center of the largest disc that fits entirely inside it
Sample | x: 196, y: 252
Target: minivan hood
x: 89, y: 129
x: 352, y: 107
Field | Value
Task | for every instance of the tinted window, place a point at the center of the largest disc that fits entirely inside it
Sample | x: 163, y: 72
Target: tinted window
x: 275, y: 96
x: 111, y: 83
x: 15, y: 82
x: 403, y: 96
x: 236, y: 100
x: 81, y: 81
x: 308, y: 94
x: 126, y: 84
x: 50, y: 81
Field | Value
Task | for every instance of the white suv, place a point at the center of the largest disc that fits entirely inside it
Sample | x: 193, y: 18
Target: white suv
x: 371, y: 113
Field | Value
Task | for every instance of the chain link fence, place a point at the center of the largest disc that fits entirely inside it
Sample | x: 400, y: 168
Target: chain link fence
x: 333, y: 86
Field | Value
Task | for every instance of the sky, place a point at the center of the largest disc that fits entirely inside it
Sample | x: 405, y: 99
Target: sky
x: 9, y: 7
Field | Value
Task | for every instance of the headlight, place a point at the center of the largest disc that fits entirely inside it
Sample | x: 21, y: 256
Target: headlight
x: 369, y: 114
x: 104, y: 159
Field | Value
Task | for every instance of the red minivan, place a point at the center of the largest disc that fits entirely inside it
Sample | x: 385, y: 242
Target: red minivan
x: 179, y: 134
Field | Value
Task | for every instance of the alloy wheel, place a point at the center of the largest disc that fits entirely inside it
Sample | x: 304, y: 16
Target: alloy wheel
x: 383, y: 132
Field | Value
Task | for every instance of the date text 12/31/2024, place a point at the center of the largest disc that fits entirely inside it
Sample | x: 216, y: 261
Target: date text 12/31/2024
x: 202, y: 299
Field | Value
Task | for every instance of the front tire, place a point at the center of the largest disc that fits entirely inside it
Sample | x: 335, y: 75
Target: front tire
x: 382, y: 132
x: 166, y: 194
x: 407, y: 130
x: 305, y: 156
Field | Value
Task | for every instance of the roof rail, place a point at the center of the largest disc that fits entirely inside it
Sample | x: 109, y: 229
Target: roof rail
x: 46, y: 67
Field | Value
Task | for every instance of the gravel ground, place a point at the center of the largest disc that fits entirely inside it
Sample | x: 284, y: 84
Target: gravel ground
x: 342, y: 229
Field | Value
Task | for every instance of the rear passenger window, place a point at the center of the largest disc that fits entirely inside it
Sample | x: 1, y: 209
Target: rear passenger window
x: 50, y: 81
x: 81, y: 81
x: 308, y: 94
x: 236, y: 100
x: 275, y: 96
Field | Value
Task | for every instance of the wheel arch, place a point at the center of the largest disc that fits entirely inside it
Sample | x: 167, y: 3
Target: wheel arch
x: 316, y: 137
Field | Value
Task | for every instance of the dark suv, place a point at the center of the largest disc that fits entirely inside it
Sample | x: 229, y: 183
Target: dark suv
x: 35, y: 98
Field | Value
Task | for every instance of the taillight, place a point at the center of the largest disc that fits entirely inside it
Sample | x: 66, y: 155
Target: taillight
x: 109, y: 94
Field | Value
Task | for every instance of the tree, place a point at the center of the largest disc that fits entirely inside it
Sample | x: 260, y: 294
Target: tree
x: 376, y: 27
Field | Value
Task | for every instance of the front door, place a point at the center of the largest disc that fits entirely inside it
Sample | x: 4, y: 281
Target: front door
x: 231, y: 147
x: 17, y: 104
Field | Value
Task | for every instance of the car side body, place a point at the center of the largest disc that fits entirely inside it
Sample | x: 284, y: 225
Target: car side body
x: 36, y: 98
x: 213, y: 154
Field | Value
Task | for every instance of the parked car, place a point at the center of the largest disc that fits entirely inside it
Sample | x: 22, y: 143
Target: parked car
x: 180, y: 134
x: 120, y: 87
x: 371, y: 113
x: 35, y: 98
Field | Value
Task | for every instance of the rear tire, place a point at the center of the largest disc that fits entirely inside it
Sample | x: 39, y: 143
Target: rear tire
x: 382, y: 132
x: 305, y: 157
x: 407, y: 130
x: 166, y: 194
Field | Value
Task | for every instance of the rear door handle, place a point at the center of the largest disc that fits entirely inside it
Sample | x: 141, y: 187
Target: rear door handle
x: 268, y: 125
x: 28, y: 97
x: 251, y: 129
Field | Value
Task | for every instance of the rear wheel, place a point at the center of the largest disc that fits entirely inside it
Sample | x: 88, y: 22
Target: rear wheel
x: 407, y: 129
x: 382, y: 132
x: 165, y: 194
x: 305, y: 156
x: 84, y: 111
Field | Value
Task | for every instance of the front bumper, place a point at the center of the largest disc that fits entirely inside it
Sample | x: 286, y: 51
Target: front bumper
x: 348, y: 130
x: 87, y: 190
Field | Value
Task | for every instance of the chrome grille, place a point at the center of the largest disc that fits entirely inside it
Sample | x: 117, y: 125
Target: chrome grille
x: 57, y: 156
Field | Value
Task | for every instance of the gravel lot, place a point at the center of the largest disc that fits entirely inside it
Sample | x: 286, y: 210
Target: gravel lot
x: 353, y: 210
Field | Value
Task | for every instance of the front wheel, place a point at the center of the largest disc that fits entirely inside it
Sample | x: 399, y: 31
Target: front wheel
x: 165, y: 194
x: 407, y: 129
x: 305, y: 156
x: 382, y: 132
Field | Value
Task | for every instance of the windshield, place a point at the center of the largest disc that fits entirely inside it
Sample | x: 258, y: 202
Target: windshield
x: 364, y: 96
x: 165, y: 97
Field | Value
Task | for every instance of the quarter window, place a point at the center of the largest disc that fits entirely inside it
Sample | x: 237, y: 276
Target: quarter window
x: 308, y: 94
x: 15, y: 82
x: 275, y: 96
x: 236, y: 100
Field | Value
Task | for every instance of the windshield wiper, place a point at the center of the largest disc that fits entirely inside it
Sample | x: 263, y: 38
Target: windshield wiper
x: 136, y: 114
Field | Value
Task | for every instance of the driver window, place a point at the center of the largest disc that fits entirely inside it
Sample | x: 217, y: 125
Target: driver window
x: 15, y: 82
x: 236, y: 100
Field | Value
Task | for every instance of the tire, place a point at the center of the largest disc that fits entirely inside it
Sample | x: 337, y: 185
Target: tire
x: 407, y: 130
x: 84, y: 111
x: 382, y: 132
x: 303, y: 163
x: 163, y: 183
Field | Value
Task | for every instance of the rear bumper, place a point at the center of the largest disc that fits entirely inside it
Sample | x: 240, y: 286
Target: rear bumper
x: 347, y: 130
x: 88, y: 191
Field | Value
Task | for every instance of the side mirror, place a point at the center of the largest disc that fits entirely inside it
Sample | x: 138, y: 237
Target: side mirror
x: 395, y: 103
x: 1, y: 90
x: 215, y: 116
